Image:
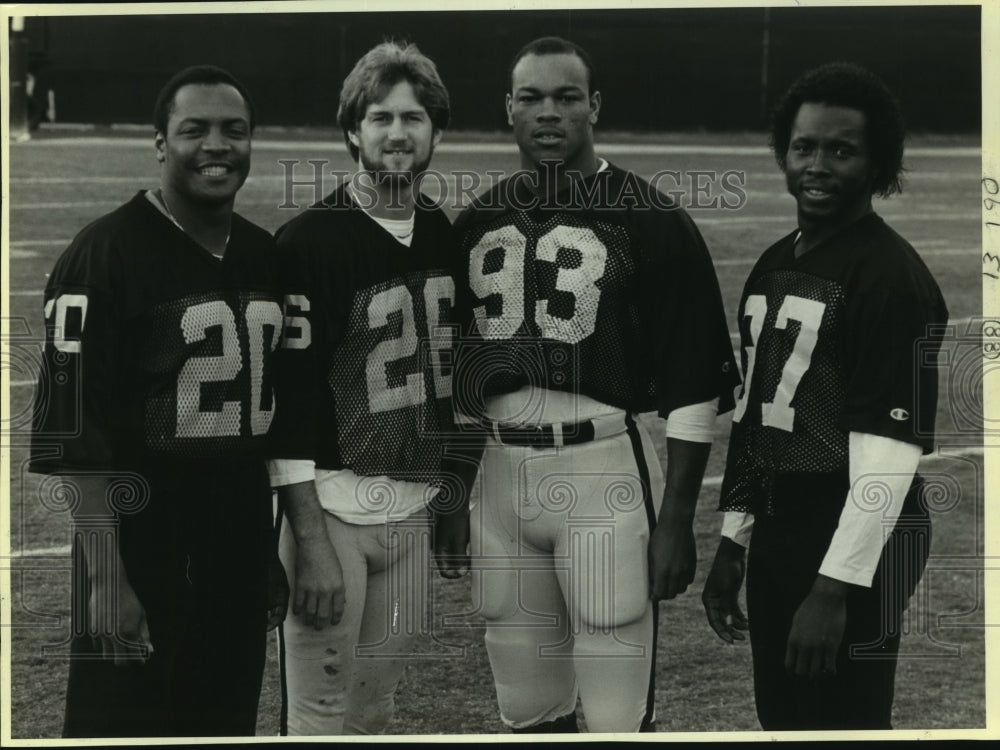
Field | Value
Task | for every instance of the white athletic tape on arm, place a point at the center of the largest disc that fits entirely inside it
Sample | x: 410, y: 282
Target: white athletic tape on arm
x: 290, y: 471
x: 881, y: 470
x: 738, y: 527
x: 694, y: 423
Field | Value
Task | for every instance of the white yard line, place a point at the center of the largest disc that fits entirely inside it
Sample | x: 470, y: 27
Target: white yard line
x: 39, y: 243
x: 41, y: 552
x: 735, y: 221
x: 963, y: 453
x: 99, y: 180
x: 714, y: 481
x: 261, y: 179
x: 63, y: 204
x: 971, y: 252
x: 621, y: 149
x: 924, y: 247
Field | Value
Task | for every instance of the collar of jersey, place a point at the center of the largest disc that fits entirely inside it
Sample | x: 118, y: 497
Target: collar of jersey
x: 159, y: 205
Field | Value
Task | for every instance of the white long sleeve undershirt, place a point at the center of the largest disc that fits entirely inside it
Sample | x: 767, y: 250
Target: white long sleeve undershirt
x: 695, y: 422
x: 881, y: 470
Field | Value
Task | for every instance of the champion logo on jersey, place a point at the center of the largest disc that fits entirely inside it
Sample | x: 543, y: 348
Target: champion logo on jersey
x: 900, y: 415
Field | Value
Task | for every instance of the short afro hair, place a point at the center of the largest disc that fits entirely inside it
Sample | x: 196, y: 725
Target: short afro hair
x: 554, y: 45
x: 198, y: 75
x: 845, y: 84
x: 381, y: 68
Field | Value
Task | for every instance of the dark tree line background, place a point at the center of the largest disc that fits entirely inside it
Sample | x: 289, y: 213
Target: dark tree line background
x: 665, y: 69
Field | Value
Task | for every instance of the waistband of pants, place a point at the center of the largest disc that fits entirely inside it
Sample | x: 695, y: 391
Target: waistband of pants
x: 559, y: 433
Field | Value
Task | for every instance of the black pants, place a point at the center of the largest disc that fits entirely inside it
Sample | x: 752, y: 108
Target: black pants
x: 195, y: 558
x: 784, y: 559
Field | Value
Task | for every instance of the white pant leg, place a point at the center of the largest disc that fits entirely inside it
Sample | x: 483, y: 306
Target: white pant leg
x: 342, y: 679
x: 316, y: 665
x: 603, y: 535
x: 516, y: 590
x: 395, y: 616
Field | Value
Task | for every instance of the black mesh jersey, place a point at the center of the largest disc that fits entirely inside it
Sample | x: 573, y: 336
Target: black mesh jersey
x: 156, y: 352
x: 841, y: 339
x: 606, y: 290
x: 364, y: 370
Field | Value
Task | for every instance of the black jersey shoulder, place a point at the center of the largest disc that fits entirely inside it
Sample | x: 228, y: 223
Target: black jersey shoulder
x: 135, y: 214
x: 337, y: 213
x: 606, y: 191
x: 660, y: 230
x: 656, y: 220
x: 887, y: 261
x: 246, y: 232
x: 138, y: 217
x: 138, y: 255
x: 867, y: 256
x: 630, y: 191
x: 777, y: 255
x: 96, y: 249
x: 334, y: 249
x: 319, y: 218
x: 488, y: 205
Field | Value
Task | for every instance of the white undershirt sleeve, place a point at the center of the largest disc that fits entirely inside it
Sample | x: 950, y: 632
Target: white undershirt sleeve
x: 290, y: 471
x: 881, y: 471
x: 694, y: 423
x: 738, y: 527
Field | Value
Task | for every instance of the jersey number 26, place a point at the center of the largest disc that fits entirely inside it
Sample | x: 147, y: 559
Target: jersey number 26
x: 396, y: 302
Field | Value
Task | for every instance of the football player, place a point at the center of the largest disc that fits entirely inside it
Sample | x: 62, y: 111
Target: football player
x: 591, y: 298
x: 364, y: 390
x: 153, y: 406
x: 839, y: 321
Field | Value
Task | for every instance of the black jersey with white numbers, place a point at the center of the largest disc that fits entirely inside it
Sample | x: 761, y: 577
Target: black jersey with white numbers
x: 364, y: 370
x: 156, y: 352
x: 606, y: 290
x: 842, y: 339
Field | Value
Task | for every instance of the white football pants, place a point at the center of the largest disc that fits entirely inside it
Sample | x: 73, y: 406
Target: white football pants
x: 342, y: 679
x: 559, y: 545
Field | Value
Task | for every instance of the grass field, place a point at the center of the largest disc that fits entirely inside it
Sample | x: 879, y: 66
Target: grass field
x: 59, y: 183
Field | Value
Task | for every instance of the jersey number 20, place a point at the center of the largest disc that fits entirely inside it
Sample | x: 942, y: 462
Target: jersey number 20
x: 197, y: 320
x: 261, y: 316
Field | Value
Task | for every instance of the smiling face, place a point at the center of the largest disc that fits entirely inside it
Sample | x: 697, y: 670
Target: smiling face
x: 553, y: 112
x: 828, y: 168
x: 395, y: 138
x: 206, y: 150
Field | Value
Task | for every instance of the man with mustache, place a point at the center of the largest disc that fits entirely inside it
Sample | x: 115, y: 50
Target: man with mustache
x: 839, y: 324
x: 153, y: 406
x: 364, y: 388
